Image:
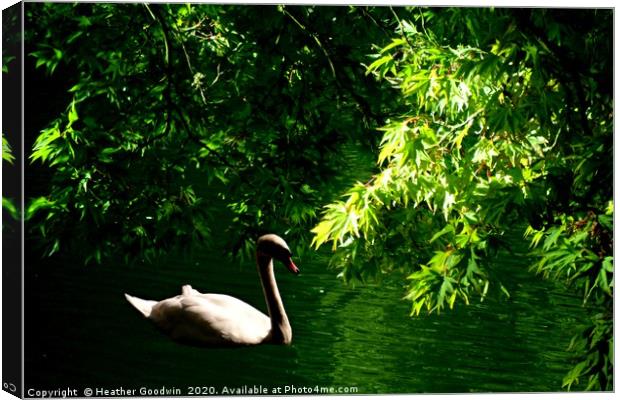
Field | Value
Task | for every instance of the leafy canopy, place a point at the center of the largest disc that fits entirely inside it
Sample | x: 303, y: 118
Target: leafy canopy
x: 508, y: 125
x: 174, y: 104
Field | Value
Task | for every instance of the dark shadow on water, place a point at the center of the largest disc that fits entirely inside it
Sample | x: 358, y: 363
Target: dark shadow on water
x: 81, y: 330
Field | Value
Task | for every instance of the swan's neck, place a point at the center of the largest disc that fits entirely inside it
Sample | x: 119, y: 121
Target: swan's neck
x: 280, y: 327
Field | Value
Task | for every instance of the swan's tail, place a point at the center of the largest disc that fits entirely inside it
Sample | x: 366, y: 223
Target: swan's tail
x: 144, y: 306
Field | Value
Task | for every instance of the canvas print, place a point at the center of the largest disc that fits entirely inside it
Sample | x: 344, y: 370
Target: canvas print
x: 232, y: 199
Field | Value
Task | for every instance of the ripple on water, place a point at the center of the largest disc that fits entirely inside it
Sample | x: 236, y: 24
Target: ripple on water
x: 355, y: 337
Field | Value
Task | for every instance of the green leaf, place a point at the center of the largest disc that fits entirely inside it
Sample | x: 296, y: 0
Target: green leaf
x: 395, y: 43
x: 6, y: 151
x: 378, y: 63
x: 105, y: 155
x: 446, y: 229
x: 72, y: 116
x: 40, y: 203
x: 322, y: 232
x: 8, y: 205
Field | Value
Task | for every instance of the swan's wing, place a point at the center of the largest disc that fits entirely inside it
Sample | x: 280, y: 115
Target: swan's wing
x: 234, y: 320
x: 212, y: 319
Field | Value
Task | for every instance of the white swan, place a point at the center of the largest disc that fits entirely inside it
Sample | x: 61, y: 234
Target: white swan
x: 217, y: 319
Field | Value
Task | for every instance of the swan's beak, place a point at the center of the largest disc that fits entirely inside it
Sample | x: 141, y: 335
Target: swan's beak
x: 292, y: 267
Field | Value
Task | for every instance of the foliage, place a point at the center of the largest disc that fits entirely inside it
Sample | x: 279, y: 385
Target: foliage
x: 175, y: 104
x: 580, y: 252
x: 6, y: 151
x: 11, y: 40
x: 508, y: 122
x: 11, y: 36
x: 7, y: 156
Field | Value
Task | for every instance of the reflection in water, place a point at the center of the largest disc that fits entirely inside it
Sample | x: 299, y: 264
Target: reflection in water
x: 81, y: 331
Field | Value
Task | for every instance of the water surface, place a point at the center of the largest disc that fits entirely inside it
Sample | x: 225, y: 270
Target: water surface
x: 81, y: 332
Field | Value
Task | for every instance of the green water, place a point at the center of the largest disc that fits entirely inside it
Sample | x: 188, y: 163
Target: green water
x: 81, y: 332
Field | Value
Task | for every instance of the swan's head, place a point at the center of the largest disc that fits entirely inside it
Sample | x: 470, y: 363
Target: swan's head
x: 275, y: 247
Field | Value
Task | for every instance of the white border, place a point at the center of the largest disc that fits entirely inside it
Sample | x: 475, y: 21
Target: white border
x: 462, y: 3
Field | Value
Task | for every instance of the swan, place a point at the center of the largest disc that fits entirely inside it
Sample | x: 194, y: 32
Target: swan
x: 220, y: 320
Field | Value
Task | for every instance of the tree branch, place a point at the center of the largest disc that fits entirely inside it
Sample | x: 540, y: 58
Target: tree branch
x: 315, y: 37
x: 568, y: 69
x: 168, y: 71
